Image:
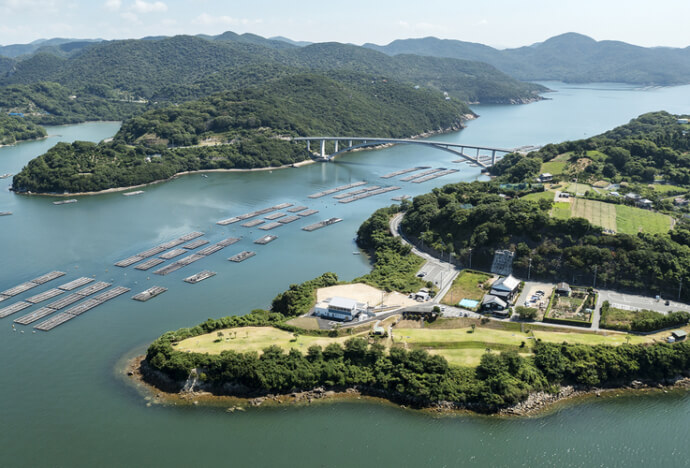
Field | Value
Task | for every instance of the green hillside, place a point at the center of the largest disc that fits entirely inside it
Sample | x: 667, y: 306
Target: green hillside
x: 249, y: 128
x: 15, y: 129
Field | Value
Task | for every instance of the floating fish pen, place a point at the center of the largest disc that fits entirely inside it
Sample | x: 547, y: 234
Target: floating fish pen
x: 253, y: 214
x: 434, y: 176
x: 195, y: 244
x: 254, y: 222
x: 148, y: 264
x: 229, y: 241
x: 357, y: 192
x: 82, y: 307
x: 48, y: 277
x: 289, y: 219
x: 5, y: 213
x: 269, y: 226
x: 336, y: 189
x: 242, y: 256
x: 93, y: 288
x: 150, y: 293
x: 403, y: 171
x: 211, y: 249
x: 34, y: 316
x: 65, y: 301
x: 422, y: 174
x: 172, y: 254
x: 111, y: 294
x: 190, y: 236
x: 297, y: 209
x: 74, y: 284
x: 65, y: 202
x: 265, y: 239
x: 200, y: 277
x: 183, y: 262
x: 189, y: 259
x: 20, y: 288
x: 400, y: 198
x: 128, y: 261
x: 172, y: 243
x: 273, y: 216
x: 304, y: 214
x: 45, y: 295
x: 321, y: 224
x: 369, y: 194
x: 151, y: 252
x: 54, y: 321
x: 136, y: 192
x: 14, y: 308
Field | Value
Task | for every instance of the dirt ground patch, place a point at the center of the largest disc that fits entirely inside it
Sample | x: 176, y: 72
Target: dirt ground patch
x: 366, y: 294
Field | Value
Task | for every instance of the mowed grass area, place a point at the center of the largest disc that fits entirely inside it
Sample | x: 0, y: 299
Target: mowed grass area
x: 536, y: 196
x: 577, y: 188
x: 466, y: 286
x: 597, y: 213
x: 247, y: 339
x: 666, y: 188
x: 631, y: 220
x: 553, y: 167
x: 461, y: 346
x: 618, y: 218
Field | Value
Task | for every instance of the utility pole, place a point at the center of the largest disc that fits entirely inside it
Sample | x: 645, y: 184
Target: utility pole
x: 470, y: 258
x: 680, y: 287
x: 529, y: 268
x: 595, y: 276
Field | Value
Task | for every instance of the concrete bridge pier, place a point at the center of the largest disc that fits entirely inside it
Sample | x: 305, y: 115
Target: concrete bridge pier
x: 493, y: 157
x: 336, y: 146
x: 323, y: 148
x: 308, y: 145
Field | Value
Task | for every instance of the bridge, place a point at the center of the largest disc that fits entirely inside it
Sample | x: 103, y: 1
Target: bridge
x: 490, y: 157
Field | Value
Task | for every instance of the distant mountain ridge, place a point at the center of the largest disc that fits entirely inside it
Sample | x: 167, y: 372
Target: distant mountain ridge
x: 569, y: 57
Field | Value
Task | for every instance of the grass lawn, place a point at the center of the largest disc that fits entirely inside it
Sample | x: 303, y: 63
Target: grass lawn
x: 536, y: 196
x: 598, y: 213
x: 553, y: 167
x: 466, y: 286
x: 631, y: 220
x: 248, y: 339
x: 664, y: 188
x: 561, y: 210
x: 577, y: 188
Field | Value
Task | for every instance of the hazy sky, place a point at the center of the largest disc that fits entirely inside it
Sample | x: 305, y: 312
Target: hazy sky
x: 501, y: 23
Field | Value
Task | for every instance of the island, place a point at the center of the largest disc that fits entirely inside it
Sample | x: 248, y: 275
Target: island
x: 470, y: 343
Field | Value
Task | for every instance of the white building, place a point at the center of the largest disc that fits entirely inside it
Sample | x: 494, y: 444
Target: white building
x: 340, y: 308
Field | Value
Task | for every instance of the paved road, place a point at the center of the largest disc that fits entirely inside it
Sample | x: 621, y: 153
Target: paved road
x: 630, y: 301
x: 437, y: 271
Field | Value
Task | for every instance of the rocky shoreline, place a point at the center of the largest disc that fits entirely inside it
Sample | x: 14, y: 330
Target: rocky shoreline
x: 160, y: 389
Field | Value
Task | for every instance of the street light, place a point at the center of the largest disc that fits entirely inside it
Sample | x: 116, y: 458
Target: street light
x: 470, y: 258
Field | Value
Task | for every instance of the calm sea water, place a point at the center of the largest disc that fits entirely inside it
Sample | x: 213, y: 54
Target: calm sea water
x: 62, y: 404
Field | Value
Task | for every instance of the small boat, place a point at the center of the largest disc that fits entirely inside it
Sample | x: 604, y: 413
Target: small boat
x: 64, y: 202
x: 129, y: 194
x: 355, y: 253
x: 204, y: 175
x: 5, y: 176
x: 5, y: 213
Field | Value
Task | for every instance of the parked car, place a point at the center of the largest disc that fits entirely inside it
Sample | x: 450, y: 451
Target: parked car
x: 540, y: 293
x: 421, y: 274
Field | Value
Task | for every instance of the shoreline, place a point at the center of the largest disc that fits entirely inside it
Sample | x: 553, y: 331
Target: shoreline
x: 536, y: 405
x: 304, y: 162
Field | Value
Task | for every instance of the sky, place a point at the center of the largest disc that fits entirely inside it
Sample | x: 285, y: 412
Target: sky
x: 499, y: 23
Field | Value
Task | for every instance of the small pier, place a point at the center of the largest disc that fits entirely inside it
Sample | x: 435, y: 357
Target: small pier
x: 368, y: 194
x: 172, y: 254
x: 65, y: 202
x: 434, y: 176
x: 265, y: 239
x: 242, y: 256
x: 269, y: 226
x: 77, y: 283
x: 253, y: 214
x: 252, y: 223
x: 336, y: 189
x: 422, y: 174
x: 321, y: 224
x: 304, y: 214
x: 150, y: 293
x: 45, y: 295
x: 136, y: 192
x: 403, y: 171
x: 197, y: 278
x: 148, y: 264
x: 195, y: 244
x: 297, y: 209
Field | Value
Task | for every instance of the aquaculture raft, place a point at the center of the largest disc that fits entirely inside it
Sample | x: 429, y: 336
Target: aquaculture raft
x: 150, y: 293
x: 253, y: 222
x: 297, y: 209
x: 336, y: 189
x: 265, y: 239
x: 148, y: 264
x: 269, y: 226
x: 304, y: 214
x: 45, y: 295
x: 74, y: 284
x: 403, y: 171
x: 242, y: 256
x: 321, y: 224
x: 273, y: 216
x: 195, y: 244
x: 357, y: 192
x: 368, y: 194
x: 253, y: 214
x: 434, y: 176
x: 65, y: 202
x: 20, y: 288
x: 200, y: 277
x: 158, y: 249
x: 422, y: 174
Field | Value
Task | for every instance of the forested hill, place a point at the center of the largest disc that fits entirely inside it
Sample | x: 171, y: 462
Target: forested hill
x: 160, y: 69
x: 569, y: 57
x: 16, y: 129
x: 248, y: 128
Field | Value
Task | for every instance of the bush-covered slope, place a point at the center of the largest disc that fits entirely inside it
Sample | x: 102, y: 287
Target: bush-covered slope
x: 15, y: 129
